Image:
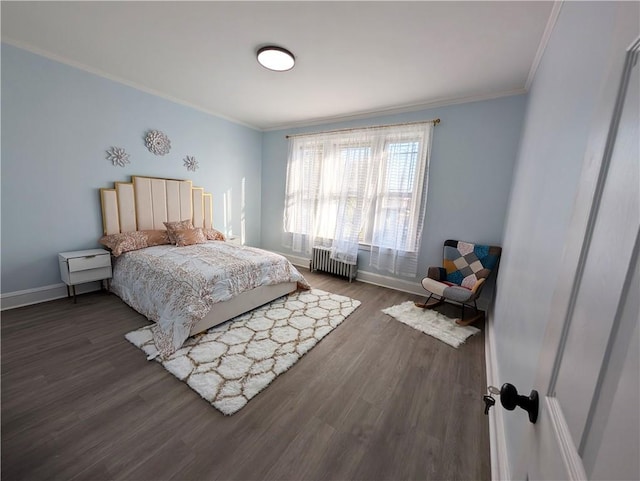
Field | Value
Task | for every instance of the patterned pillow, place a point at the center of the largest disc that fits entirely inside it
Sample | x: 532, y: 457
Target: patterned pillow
x: 131, y: 241
x: 178, y: 225
x: 188, y: 237
x: 213, y: 234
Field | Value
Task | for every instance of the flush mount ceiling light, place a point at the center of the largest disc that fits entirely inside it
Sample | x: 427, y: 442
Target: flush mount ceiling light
x: 276, y: 58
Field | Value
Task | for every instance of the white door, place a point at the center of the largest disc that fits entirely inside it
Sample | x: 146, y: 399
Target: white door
x: 587, y: 377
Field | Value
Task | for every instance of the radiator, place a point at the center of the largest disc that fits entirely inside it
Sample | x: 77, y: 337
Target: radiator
x: 321, y: 261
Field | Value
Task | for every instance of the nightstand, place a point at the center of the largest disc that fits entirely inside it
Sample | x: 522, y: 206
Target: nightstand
x: 234, y: 239
x: 78, y: 267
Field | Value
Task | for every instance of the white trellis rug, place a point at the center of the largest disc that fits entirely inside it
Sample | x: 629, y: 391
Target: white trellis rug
x: 231, y: 363
x: 432, y: 323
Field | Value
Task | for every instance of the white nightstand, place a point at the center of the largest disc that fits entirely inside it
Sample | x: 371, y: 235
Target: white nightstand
x: 234, y: 239
x: 78, y: 267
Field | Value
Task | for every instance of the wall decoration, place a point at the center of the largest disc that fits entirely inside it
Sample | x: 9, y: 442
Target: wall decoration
x: 157, y: 142
x: 190, y: 163
x: 118, y: 156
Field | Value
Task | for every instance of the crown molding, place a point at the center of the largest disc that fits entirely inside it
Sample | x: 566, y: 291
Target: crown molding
x: 544, y: 41
x: 128, y: 83
x: 365, y: 114
x: 397, y: 110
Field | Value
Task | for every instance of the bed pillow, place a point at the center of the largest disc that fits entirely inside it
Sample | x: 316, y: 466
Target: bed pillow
x: 131, y: 241
x: 213, y: 234
x: 189, y: 237
x: 178, y: 225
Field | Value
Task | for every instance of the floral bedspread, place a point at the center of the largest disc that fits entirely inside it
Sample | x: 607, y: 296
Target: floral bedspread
x: 177, y: 286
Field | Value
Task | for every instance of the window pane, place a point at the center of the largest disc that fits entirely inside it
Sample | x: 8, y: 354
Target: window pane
x: 401, y: 166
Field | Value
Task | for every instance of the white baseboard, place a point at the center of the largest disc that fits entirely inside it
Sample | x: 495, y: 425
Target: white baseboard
x: 295, y: 260
x: 368, y: 277
x: 380, y: 280
x: 391, y: 283
x: 500, y: 470
x: 11, y: 300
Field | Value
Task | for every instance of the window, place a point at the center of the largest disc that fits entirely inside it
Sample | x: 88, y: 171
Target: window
x: 364, y: 186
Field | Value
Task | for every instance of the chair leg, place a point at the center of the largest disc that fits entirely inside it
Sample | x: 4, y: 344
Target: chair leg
x: 426, y: 304
x: 477, y: 316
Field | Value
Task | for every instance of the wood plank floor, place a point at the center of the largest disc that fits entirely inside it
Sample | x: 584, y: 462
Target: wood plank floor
x: 374, y: 400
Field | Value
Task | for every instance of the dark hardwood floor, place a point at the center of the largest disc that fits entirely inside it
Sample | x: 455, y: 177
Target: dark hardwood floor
x: 374, y: 400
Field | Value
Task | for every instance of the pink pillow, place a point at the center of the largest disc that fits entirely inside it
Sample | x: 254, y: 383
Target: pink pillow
x: 213, y: 234
x: 178, y: 225
x: 188, y: 237
x: 131, y: 241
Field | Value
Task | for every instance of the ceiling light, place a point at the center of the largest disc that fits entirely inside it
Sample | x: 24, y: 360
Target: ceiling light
x: 276, y: 58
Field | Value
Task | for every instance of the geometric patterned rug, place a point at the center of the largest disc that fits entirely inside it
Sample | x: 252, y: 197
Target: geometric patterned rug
x: 232, y: 362
x: 432, y: 323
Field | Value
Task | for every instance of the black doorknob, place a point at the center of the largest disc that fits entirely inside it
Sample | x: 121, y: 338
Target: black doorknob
x: 510, y: 398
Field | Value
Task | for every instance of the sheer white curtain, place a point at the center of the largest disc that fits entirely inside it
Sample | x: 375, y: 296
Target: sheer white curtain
x: 325, y: 193
x: 302, y: 192
x: 364, y: 186
x: 400, y: 200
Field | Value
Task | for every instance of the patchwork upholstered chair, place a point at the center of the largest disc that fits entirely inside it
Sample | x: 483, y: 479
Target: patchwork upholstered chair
x: 465, y: 269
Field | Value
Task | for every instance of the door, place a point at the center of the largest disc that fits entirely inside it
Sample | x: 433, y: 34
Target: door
x: 587, y: 376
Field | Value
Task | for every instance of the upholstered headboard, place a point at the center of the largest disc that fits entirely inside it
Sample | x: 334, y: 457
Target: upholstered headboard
x: 146, y: 202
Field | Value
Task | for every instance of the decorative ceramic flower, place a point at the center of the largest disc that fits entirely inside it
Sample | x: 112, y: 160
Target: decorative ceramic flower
x: 190, y: 163
x: 157, y: 142
x: 118, y: 156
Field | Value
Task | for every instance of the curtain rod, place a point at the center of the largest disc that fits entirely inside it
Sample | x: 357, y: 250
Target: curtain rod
x: 434, y: 121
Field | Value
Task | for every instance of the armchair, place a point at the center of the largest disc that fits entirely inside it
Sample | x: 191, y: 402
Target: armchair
x: 465, y: 269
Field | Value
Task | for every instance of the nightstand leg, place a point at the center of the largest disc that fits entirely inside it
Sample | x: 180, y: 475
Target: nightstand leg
x: 73, y: 288
x: 68, y: 291
x: 105, y: 285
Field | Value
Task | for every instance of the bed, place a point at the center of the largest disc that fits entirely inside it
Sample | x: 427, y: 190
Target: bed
x: 186, y: 289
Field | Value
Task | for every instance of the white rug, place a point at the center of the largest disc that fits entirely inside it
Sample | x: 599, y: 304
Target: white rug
x: 231, y: 363
x: 431, y: 322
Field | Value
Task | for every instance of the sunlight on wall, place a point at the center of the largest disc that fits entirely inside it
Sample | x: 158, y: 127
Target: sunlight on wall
x: 242, y: 211
x: 228, y: 217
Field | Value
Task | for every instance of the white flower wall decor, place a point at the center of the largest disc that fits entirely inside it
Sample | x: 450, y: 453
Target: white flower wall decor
x: 190, y: 163
x: 118, y: 156
x: 157, y: 142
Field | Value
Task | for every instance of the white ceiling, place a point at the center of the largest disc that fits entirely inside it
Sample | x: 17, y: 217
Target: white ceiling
x: 353, y: 58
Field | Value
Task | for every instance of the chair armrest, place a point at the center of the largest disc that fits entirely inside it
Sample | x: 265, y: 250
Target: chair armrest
x: 477, y: 287
x: 437, y: 273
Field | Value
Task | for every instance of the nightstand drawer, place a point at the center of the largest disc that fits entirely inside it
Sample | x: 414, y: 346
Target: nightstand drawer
x: 88, y: 275
x: 89, y: 262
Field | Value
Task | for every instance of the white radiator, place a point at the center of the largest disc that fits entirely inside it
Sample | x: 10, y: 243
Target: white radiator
x: 321, y: 261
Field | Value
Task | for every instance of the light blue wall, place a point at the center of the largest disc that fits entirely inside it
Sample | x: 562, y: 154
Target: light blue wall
x: 560, y: 113
x: 474, y: 151
x: 57, y: 122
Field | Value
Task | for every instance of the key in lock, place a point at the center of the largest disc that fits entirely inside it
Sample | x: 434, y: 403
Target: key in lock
x: 488, y: 399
